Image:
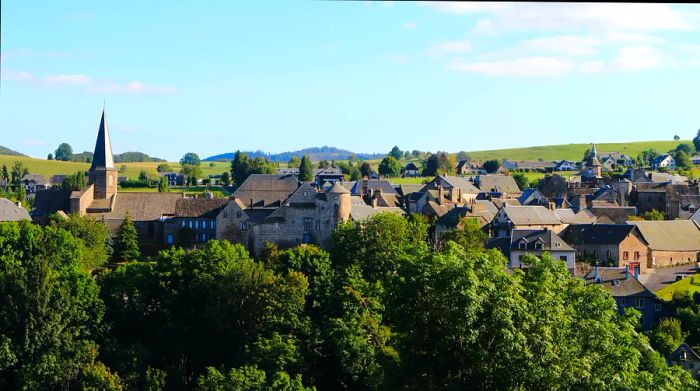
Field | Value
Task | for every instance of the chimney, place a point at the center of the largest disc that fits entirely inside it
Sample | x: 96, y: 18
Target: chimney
x: 364, y: 186
x: 459, y: 194
x: 232, y: 198
x: 636, y: 273
x: 374, y: 202
x: 251, y: 202
x: 582, y: 202
x: 441, y: 196
x: 627, y: 273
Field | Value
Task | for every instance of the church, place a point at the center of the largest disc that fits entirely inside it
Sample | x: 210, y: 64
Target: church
x: 265, y: 208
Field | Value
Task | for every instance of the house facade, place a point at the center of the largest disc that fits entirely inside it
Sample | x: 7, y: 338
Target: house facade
x: 671, y: 242
x: 512, y: 217
x: 537, y: 242
x: 615, y: 245
x: 663, y: 161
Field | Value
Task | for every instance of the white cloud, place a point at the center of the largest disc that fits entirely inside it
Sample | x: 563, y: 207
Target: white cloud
x: 450, y: 47
x: 132, y: 87
x: 526, y: 66
x: 76, y: 80
x: 409, y: 26
x: 9, y: 74
x: 636, y: 58
x: 501, y: 17
x: 578, y: 45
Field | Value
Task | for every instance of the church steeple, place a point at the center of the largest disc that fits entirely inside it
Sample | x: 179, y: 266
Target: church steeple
x: 594, y: 152
x: 102, y: 157
x: 102, y: 174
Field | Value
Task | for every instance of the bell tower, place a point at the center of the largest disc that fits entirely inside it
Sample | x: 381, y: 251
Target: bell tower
x: 102, y: 173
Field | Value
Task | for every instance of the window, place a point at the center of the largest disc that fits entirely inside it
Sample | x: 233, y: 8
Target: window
x: 190, y: 223
x: 307, y: 223
x: 307, y: 238
x: 522, y: 245
x: 238, y: 214
x: 638, y: 303
x: 563, y: 258
x: 626, y: 255
x: 170, y: 239
x: 184, y: 223
x: 225, y: 214
x: 318, y: 225
x: 539, y: 246
x: 204, y: 237
x: 636, y: 255
x: 196, y: 224
x: 657, y: 307
x: 212, y: 224
x: 608, y: 254
x: 244, y: 226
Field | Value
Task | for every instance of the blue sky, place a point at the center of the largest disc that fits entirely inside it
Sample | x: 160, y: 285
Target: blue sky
x: 217, y: 76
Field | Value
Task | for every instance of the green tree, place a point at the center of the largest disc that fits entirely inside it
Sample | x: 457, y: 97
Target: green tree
x: 225, y: 179
x: 164, y: 167
x: 462, y: 155
x: 323, y: 164
x: 468, y: 235
x: 365, y: 170
x: 390, y: 167
x: 4, y: 174
x: 521, y: 180
x: 696, y: 141
x: 75, y: 182
x: 676, y: 137
x: 64, y: 152
x: 192, y: 172
x: 667, y: 336
x: 491, y: 166
x: 123, y: 168
x: 17, y: 173
x: 683, y: 160
x: 294, y: 162
x: 685, y: 147
x: 306, y: 170
x: 50, y: 156
x: 163, y: 185
x: 191, y: 159
x: 653, y: 214
x: 21, y: 194
x: 93, y: 233
x: 431, y: 166
x: 396, y: 153
x: 127, y: 244
x: 50, y: 312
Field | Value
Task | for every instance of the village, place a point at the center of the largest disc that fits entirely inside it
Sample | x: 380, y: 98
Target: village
x: 632, y: 235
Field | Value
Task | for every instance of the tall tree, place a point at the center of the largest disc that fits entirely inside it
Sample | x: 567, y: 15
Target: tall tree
x: 491, y: 166
x: 390, y: 167
x: 17, y: 173
x: 696, y: 141
x: 396, y: 153
x: 75, y: 182
x: 431, y: 165
x: 4, y: 174
x: 225, y: 179
x: 64, y: 152
x: 127, y: 244
x: 190, y: 158
x: 50, y: 156
x: 683, y: 161
x: 365, y: 170
x: 163, y: 185
x: 164, y: 167
x: 306, y: 171
x: 294, y: 162
x: 323, y: 164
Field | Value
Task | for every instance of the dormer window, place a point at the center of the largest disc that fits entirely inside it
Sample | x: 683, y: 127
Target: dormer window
x: 522, y: 245
x: 539, y: 246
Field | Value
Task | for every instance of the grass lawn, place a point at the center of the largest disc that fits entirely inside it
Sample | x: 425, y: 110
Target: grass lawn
x: 191, y: 190
x: 406, y: 181
x: 688, y: 284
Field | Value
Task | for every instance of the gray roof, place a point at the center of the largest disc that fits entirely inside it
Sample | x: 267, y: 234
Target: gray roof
x: 36, y: 178
x: 338, y: 189
x: 568, y: 216
x: 199, y: 207
x: 550, y: 240
x: 102, y: 157
x: 50, y: 201
x: 531, y: 215
x: 141, y: 206
x: 374, y: 185
x: 498, y: 183
x: 266, y: 189
x: 670, y: 235
x: 360, y: 210
x: 9, y: 211
x: 460, y: 183
x: 619, y: 282
x: 597, y: 234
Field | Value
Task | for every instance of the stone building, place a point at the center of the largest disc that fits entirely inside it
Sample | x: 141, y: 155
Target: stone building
x: 671, y: 242
x: 537, y: 242
x: 619, y: 245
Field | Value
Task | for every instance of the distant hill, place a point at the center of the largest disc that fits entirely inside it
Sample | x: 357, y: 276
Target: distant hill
x: 316, y: 154
x: 10, y: 152
x: 573, y: 151
x: 126, y: 157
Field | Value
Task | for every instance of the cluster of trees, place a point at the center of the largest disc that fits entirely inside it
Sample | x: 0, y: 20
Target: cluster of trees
x: 439, y: 163
x: 65, y: 153
x: 381, y: 310
x: 190, y: 167
x: 242, y: 166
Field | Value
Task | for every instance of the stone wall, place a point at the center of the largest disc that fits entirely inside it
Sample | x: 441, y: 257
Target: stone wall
x: 105, y: 182
x: 79, y: 201
x: 661, y: 259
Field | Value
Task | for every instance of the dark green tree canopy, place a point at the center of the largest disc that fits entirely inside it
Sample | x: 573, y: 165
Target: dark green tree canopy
x: 396, y: 153
x: 64, y: 152
x: 306, y: 170
x: 390, y: 167
x: 491, y: 166
x: 190, y: 158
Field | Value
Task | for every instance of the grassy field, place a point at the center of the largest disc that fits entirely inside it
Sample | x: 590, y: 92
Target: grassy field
x: 689, y: 284
x: 547, y: 153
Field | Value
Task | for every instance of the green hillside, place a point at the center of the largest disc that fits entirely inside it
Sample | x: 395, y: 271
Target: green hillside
x: 551, y: 152
x: 8, y: 151
x: 573, y: 151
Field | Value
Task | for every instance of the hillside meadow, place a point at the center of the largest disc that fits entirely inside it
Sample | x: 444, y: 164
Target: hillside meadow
x: 572, y: 152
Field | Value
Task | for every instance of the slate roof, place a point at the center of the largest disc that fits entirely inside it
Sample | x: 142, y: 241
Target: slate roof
x: 36, y: 178
x: 141, y: 206
x: 102, y: 157
x: 498, y: 183
x: 615, y: 214
x: 406, y: 189
x: 57, y: 179
x: 374, y: 185
x: 550, y: 240
x: 659, y: 159
x: 530, y: 215
x: 199, y: 207
x: 567, y: 216
x: 360, y: 210
x: 452, y: 217
x: 502, y: 244
x: 619, y: 282
x: 305, y: 195
x: 9, y: 211
x: 460, y: 183
x: 675, y: 356
x: 266, y: 189
x: 596, y: 234
x: 410, y: 167
x: 670, y: 235
x: 338, y: 189
x: 50, y: 201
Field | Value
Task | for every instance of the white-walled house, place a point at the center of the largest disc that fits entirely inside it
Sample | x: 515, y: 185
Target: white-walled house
x: 537, y: 242
x: 663, y: 161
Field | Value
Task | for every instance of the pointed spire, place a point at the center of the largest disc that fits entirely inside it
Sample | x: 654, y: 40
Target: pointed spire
x: 102, y: 157
x: 594, y: 152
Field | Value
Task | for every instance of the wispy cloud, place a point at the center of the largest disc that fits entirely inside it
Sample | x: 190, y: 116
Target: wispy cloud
x: 10, y: 74
x: 636, y: 58
x: 132, y: 87
x: 527, y: 66
x: 503, y: 17
x: 409, y: 26
x: 450, y: 47
x: 74, y: 80
x: 35, y: 143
